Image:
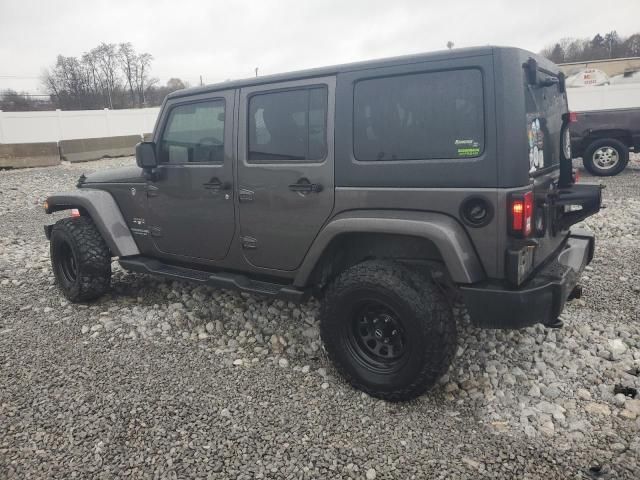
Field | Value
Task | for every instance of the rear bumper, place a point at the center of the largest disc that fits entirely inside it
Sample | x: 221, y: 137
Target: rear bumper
x: 541, y: 299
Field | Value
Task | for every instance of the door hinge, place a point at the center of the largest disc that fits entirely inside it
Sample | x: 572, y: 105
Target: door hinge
x: 245, y: 195
x: 249, y: 242
x: 155, y: 231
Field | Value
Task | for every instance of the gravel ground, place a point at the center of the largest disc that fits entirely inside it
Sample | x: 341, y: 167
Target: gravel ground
x: 161, y: 379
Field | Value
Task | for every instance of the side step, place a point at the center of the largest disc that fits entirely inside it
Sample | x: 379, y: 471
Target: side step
x: 232, y: 281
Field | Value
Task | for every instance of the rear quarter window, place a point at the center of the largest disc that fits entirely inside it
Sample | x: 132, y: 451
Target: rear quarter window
x: 436, y: 115
x: 545, y: 107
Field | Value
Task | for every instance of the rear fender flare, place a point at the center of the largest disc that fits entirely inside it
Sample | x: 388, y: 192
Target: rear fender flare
x: 104, y: 212
x: 446, y: 233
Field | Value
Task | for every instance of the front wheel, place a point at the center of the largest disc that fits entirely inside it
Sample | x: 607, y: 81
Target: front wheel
x: 606, y: 157
x: 80, y: 259
x: 389, y: 330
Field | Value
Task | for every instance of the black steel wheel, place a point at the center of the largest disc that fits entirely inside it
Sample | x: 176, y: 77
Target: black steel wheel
x: 388, y: 329
x: 376, y: 336
x: 68, y: 264
x: 80, y: 259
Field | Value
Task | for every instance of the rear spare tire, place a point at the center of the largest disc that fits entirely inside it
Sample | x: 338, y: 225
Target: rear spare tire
x: 606, y: 157
x: 389, y: 330
x: 80, y: 259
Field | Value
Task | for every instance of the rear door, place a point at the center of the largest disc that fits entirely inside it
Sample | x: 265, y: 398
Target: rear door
x: 546, y: 123
x: 285, y: 169
x: 191, y: 212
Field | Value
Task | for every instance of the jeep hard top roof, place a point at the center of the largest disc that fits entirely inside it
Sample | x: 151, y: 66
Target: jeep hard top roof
x: 363, y: 65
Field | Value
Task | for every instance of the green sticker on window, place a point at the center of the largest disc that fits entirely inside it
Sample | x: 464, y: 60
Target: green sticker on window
x: 469, y: 152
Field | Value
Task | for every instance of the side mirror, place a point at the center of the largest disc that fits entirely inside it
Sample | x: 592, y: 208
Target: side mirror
x: 531, y: 70
x: 146, y: 155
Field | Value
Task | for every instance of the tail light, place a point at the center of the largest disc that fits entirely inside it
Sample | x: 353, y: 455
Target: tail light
x: 521, y: 214
x: 573, y: 117
x: 75, y: 213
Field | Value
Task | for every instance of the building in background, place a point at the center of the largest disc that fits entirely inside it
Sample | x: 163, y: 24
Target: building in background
x: 602, y: 72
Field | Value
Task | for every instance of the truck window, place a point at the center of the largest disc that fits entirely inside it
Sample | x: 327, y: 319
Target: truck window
x: 194, y: 133
x: 436, y: 115
x: 288, y: 126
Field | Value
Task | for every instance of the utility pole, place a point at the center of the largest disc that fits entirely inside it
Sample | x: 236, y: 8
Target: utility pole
x: 201, y: 80
x: 256, y: 71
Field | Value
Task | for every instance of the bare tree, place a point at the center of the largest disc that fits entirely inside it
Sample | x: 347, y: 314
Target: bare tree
x: 106, y: 55
x: 129, y: 64
x: 109, y: 75
x: 142, y: 80
x: 632, y: 46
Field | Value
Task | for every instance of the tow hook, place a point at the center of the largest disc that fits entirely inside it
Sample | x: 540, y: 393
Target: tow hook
x: 575, y: 293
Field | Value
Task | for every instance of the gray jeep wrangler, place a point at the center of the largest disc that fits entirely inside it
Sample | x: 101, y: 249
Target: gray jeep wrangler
x: 387, y: 188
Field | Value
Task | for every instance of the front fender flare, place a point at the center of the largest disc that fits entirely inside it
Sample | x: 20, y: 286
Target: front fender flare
x: 104, y: 212
x: 446, y: 233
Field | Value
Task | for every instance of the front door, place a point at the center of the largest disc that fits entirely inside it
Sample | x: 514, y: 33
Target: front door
x: 191, y: 211
x: 285, y: 169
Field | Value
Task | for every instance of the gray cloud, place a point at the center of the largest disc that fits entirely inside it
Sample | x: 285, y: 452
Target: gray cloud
x: 221, y: 40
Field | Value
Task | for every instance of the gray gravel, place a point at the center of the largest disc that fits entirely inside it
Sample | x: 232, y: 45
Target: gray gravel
x: 162, y: 379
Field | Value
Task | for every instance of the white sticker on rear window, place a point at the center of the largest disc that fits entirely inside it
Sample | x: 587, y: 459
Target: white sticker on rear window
x: 536, y: 142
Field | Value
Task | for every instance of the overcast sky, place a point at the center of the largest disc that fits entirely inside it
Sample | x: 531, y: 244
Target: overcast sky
x: 228, y: 39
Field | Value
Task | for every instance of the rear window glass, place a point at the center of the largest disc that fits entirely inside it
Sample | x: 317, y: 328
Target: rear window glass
x: 419, y: 116
x: 545, y: 108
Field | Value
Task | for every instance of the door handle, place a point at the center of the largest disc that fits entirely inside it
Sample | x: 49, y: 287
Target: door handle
x: 305, y: 186
x: 216, y: 185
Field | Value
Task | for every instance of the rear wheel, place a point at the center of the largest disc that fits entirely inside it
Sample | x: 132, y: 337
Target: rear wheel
x: 80, y: 259
x: 606, y: 157
x: 389, y: 330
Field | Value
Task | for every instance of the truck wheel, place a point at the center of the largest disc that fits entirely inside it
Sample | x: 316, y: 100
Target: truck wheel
x: 389, y: 330
x: 80, y: 258
x: 606, y: 157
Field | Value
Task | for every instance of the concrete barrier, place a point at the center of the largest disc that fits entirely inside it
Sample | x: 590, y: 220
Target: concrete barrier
x: 84, y: 149
x: 22, y: 155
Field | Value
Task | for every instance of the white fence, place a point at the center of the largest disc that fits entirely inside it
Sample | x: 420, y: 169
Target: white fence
x: 34, y: 127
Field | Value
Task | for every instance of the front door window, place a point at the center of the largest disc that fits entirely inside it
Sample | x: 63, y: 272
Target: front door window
x: 194, y: 134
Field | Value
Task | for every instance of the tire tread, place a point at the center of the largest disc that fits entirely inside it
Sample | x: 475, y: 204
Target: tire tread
x: 430, y: 305
x: 94, y: 262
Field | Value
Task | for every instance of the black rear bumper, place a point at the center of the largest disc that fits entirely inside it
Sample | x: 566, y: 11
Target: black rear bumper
x: 541, y: 299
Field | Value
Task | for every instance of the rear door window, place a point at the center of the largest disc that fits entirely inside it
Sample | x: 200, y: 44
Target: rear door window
x: 288, y: 125
x: 436, y: 115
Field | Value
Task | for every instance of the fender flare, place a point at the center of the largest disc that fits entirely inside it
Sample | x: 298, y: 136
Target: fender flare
x: 446, y: 233
x: 105, y: 213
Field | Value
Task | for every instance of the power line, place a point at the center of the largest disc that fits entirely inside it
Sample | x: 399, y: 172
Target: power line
x: 18, y: 94
x: 17, y: 76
